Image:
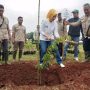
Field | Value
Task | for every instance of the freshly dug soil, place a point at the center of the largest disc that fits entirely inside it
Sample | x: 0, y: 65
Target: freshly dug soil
x: 24, y: 76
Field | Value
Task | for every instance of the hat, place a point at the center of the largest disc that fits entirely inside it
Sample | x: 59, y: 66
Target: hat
x: 75, y: 11
x: 51, y: 13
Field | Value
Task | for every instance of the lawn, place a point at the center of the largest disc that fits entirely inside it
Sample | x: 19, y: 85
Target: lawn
x: 80, y: 56
x: 31, y: 47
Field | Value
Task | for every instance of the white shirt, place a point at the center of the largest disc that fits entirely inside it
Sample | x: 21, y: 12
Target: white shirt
x: 50, y: 28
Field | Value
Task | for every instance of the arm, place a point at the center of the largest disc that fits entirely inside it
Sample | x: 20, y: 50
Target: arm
x: 13, y: 34
x: 65, y: 31
x: 56, y: 34
x: 81, y: 30
x: 42, y: 30
x: 65, y: 27
x: 25, y: 35
x: 9, y: 34
x: 69, y: 22
x: 75, y: 23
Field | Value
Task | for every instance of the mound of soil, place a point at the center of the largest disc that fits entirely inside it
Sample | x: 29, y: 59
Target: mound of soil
x: 24, y: 76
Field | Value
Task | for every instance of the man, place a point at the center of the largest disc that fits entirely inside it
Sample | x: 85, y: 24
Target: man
x: 62, y: 31
x: 85, y: 21
x: 18, y: 37
x: 74, y: 33
x: 4, y: 34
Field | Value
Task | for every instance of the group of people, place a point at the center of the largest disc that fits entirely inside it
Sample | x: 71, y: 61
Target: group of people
x: 18, y: 37
x: 49, y: 31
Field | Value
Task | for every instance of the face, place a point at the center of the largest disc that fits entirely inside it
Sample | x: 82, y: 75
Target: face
x: 59, y: 17
x: 75, y: 15
x: 1, y: 11
x: 20, y: 20
x: 87, y: 10
x: 53, y: 18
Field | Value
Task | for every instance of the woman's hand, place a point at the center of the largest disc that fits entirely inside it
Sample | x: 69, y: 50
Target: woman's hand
x: 48, y: 37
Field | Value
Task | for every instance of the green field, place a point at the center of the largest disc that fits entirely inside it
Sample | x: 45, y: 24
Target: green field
x: 32, y: 47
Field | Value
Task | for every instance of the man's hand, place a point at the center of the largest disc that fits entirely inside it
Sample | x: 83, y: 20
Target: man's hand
x: 67, y: 23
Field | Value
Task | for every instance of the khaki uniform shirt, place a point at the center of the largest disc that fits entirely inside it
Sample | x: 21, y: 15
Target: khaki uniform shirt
x: 3, y: 28
x: 35, y: 35
x: 61, y: 28
x: 85, y: 24
x: 20, y: 32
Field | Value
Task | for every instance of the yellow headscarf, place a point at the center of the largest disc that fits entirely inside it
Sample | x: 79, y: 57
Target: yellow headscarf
x: 51, y: 13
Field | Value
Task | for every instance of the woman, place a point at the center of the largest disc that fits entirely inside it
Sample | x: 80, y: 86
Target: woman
x: 47, y: 34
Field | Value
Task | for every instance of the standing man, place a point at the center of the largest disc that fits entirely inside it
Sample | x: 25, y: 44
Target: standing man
x: 4, y: 34
x: 18, y: 37
x: 74, y: 33
x: 62, y: 31
x: 85, y: 21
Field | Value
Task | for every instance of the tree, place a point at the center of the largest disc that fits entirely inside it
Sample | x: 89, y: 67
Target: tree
x: 30, y: 35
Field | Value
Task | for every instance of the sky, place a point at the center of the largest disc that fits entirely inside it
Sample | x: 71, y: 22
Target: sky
x: 28, y: 9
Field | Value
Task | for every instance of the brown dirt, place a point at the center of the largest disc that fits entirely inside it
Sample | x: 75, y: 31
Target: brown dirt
x: 23, y: 76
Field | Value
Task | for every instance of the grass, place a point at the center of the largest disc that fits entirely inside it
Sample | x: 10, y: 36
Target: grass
x: 30, y: 46
x: 25, y: 57
x: 80, y: 56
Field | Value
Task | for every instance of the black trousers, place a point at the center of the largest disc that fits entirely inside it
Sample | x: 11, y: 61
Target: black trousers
x: 86, y: 44
x: 4, y: 48
x: 86, y: 47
